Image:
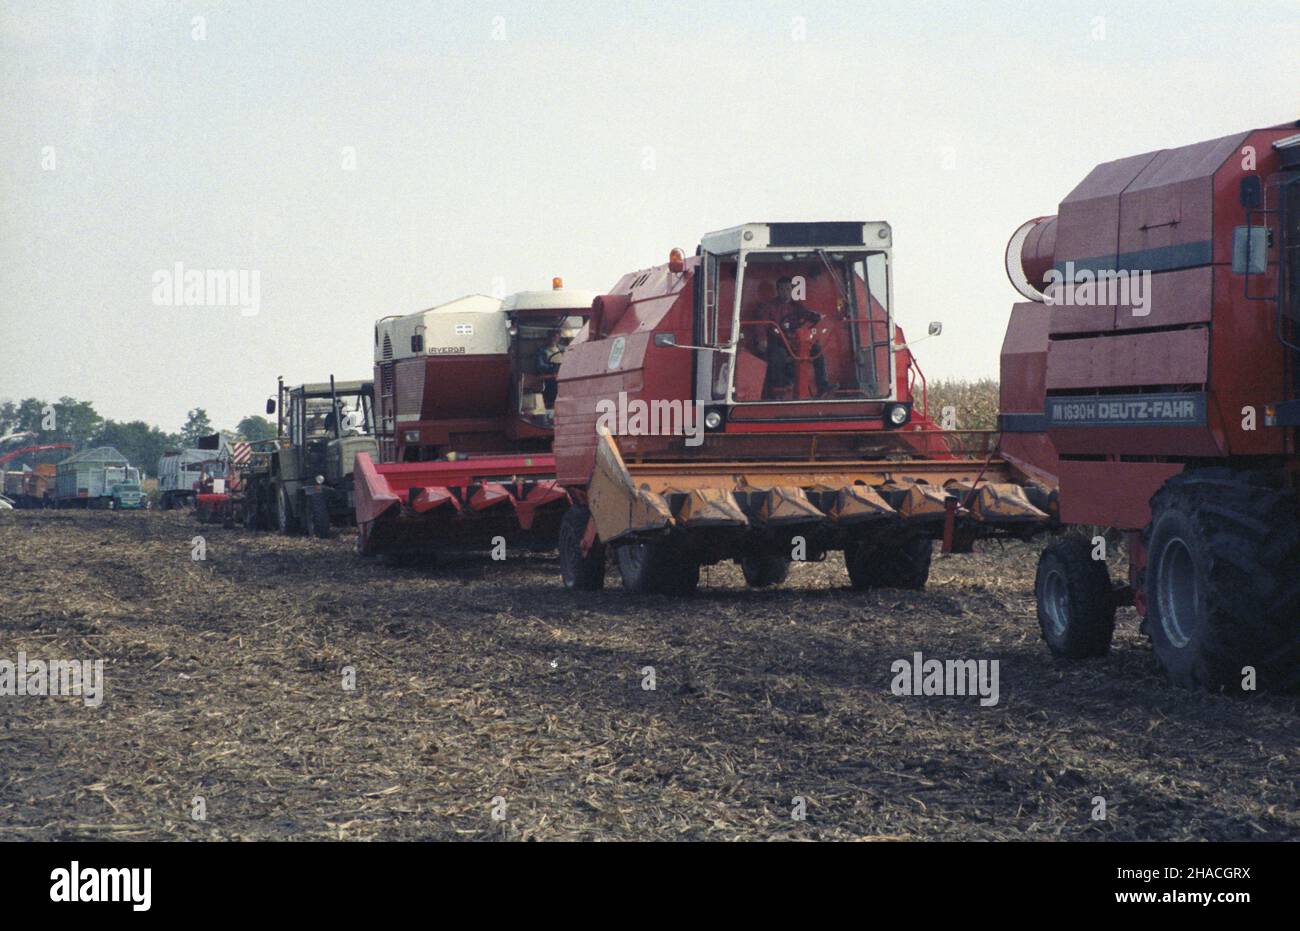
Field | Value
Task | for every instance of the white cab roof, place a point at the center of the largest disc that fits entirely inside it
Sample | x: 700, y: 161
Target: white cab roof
x: 799, y: 236
x: 556, y: 299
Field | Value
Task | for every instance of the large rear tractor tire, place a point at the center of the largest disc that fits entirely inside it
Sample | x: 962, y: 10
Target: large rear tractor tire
x: 318, y: 516
x: 1222, y: 582
x: 657, y: 567
x: 580, y: 573
x: 251, y: 517
x: 285, y: 521
x: 1076, y: 610
x: 764, y: 571
x: 899, y: 561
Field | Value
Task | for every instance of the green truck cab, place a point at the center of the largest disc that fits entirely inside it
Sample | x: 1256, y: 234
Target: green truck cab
x: 128, y: 496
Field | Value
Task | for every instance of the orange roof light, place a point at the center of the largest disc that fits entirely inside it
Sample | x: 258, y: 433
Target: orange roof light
x: 676, y: 261
x: 557, y: 284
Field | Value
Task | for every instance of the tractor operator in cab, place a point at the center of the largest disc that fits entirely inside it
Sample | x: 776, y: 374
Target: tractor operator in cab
x: 549, y: 357
x: 791, y: 316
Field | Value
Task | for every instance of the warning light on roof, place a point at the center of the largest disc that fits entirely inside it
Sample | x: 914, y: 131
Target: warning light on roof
x: 557, y: 284
x: 676, y: 261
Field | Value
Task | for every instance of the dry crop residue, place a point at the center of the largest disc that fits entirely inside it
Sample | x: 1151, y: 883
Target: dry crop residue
x: 483, y: 680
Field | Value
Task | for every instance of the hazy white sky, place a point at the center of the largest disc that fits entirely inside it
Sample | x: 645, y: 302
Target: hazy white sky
x: 499, y: 144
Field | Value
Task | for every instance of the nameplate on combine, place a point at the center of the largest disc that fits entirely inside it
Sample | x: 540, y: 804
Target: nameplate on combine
x: 1184, y: 409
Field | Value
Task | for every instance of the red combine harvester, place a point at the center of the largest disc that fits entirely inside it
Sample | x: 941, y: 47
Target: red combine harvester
x: 757, y: 402
x: 465, y: 395
x: 1151, y: 379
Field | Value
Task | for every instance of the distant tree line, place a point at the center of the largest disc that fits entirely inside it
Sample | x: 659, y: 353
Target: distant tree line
x: 68, y: 420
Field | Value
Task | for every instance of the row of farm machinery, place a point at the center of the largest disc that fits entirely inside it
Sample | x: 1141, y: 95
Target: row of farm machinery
x: 757, y: 402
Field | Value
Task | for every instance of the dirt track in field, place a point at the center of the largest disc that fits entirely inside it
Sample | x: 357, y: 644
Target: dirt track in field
x: 223, y: 680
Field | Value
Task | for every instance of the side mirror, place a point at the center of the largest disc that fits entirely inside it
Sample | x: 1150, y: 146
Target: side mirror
x: 936, y: 327
x: 665, y: 339
x: 1252, y: 192
x: 270, y: 405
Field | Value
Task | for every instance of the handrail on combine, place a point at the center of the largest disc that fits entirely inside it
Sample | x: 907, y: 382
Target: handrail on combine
x: 914, y: 367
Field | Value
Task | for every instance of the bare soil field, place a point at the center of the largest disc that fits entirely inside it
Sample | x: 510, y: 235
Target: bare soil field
x: 482, y: 680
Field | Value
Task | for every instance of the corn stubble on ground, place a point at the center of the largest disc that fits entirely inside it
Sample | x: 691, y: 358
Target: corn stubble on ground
x: 223, y: 680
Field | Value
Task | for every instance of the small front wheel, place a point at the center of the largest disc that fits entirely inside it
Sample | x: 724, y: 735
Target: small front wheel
x: 899, y: 560
x: 764, y: 571
x: 657, y: 567
x: 581, y: 573
x: 1076, y: 610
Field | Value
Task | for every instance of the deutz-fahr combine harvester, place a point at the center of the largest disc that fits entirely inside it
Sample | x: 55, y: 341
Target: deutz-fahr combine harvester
x: 1153, y: 379
x: 465, y: 398
x: 757, y: 402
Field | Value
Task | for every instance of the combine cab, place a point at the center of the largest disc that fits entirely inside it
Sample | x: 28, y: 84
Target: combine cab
x: 1152, y: 377
x: 465, y: 397
x: 757, y: 402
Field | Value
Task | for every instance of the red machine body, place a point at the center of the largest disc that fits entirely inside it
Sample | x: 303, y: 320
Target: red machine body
x: 1150, y: 380
x: 625, y: 351
x: 464, y: 425
x: 1112, y: 403
x: 758, y: 402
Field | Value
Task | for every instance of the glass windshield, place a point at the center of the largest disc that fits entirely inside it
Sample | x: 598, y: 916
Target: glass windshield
x: 538, y: 342
x: 811, y: 325
x: 351, y: 411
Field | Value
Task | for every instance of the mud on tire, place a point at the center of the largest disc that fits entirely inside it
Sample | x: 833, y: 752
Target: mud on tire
x: 1222, y: 581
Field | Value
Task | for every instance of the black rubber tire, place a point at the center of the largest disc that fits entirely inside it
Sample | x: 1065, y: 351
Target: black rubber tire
x: 250, y: 514
x: 657, y: 567
x: 318, y: 516
x: 1076, y: 610
x: 764, y: 571
x: 893, y: 561
x: 1222, y: 581
x: 285, y: 521
x: 165, y: 501
x: 580, y: 573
